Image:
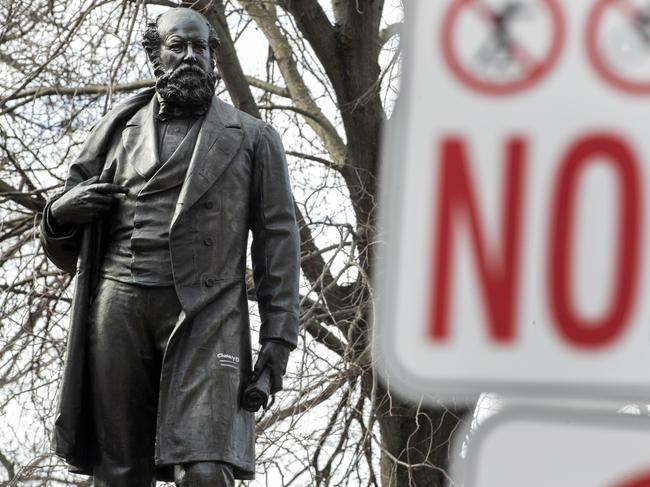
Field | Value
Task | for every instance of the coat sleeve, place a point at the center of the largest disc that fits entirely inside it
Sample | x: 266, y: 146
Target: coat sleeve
x: 62, y: 246
x: 275, y: 249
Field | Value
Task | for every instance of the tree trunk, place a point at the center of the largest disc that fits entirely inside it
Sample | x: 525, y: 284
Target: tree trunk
x: 418, y: 444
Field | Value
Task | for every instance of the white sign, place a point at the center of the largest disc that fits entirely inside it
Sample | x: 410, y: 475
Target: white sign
x: 516, y: 200
x: 515, y: 449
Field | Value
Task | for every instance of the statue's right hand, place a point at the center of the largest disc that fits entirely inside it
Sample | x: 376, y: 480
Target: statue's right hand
x: 85, y: 203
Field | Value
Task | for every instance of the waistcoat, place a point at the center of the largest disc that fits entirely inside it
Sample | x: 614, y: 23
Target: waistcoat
x: 138, y: 229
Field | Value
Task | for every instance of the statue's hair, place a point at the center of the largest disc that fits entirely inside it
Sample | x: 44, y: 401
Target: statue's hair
x: 151, y: 43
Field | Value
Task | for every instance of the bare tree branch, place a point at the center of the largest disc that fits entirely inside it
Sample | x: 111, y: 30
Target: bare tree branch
x: 41, y: 91
x: 320, y: 33
x: 265, y: 17
x: 31, y: 203
x: 390, y: 31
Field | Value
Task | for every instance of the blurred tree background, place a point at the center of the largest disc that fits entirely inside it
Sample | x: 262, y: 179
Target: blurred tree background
x: 325, y: 73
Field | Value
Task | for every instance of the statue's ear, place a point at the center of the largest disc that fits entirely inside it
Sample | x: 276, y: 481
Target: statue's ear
x: 154, y: 62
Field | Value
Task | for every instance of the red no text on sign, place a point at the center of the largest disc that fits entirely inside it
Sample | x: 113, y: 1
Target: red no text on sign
x: 498, y: 271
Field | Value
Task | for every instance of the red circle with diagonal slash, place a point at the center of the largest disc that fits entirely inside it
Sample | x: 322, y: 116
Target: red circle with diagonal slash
x: 606, y: 70
x: 534, y: 72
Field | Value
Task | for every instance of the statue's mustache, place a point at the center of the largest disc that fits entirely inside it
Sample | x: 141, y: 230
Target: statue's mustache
x: 188, y: 68
x: 184, y: 70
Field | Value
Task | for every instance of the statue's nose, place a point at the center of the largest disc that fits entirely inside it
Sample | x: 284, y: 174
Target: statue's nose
x: 190, y: 55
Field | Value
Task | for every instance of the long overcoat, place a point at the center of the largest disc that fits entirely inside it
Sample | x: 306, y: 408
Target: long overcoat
x: 236, y: 182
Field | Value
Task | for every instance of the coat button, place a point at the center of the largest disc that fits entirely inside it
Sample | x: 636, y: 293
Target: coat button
x: 209, y: 204
x: 137, y: 224
x: 208, y: 242
x: 210, y: 281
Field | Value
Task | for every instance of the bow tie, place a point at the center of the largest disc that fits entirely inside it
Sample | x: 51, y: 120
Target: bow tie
x: 167, y: 112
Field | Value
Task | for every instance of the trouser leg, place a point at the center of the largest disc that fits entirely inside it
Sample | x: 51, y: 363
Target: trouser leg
x: 204, y: 474
x: 124, y: 361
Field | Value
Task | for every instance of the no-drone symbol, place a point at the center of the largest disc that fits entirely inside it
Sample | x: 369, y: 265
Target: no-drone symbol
x: 502, y: 48
x: 618, y: 44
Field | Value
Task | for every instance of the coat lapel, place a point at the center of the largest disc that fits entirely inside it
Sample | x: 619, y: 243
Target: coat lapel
x: 218, y: 141
x: 140, y: 142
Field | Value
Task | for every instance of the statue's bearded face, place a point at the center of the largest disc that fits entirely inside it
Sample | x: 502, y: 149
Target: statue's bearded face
x: 183, y: 68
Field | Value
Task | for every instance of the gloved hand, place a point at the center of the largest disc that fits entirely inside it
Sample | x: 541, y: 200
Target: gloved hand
x: 85, y: 202
x: 273, y: 355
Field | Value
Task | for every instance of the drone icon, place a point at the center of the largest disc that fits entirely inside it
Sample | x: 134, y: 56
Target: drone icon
x: 489, y: 50
x: 500, y: 48
x: 641, y: 23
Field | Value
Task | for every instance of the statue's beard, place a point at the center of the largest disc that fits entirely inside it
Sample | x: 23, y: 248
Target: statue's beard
x: 188, y: 87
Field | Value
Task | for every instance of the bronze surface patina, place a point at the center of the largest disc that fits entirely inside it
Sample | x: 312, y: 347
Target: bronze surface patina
x: 154, y: 220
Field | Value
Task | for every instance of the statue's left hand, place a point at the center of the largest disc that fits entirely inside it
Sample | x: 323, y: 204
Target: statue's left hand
x: 273, y: 355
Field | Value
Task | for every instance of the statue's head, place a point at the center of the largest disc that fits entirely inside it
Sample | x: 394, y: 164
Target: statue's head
x: 181, y: 46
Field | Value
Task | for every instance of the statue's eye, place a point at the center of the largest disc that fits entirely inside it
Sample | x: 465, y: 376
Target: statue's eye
x: 176, y: 47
